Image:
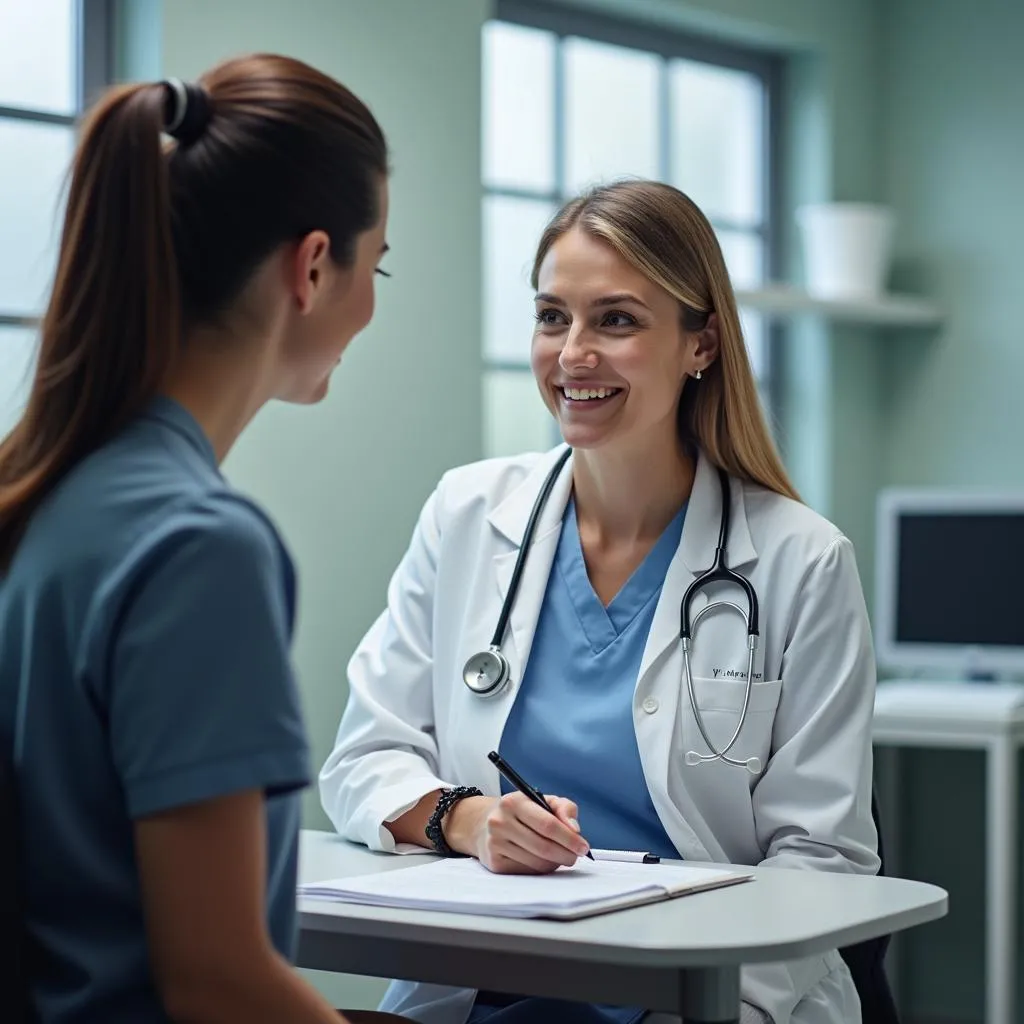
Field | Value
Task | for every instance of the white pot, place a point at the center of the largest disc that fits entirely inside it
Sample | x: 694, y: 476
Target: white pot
x: 847, y: 248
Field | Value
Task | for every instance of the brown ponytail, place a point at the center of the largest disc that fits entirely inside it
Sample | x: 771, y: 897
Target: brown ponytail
x: 158, y: 238
x: 111, y: 328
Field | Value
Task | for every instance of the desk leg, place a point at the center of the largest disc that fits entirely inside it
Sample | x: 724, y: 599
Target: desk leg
x: 1001, y: 896
x: 710, y: 995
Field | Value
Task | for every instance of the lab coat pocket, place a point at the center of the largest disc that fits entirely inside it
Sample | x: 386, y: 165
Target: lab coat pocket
x: 720, y: 702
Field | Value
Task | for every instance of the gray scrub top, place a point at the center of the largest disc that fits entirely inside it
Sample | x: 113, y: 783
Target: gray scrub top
x: 145, y: 628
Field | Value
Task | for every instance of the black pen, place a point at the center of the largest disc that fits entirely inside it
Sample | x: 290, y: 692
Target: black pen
x: 522, y: 785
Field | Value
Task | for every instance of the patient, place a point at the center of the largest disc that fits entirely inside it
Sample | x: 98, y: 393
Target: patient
x: 146, y: 607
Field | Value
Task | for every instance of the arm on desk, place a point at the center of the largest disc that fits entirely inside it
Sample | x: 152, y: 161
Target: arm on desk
x: 203, y: 873
x: 511, y: 835
x: 380, y: 783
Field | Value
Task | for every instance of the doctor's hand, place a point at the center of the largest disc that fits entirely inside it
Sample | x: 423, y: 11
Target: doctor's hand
x: 515, y: 836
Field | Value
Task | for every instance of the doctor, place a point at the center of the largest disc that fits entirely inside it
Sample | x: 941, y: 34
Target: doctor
x: 638, y: 353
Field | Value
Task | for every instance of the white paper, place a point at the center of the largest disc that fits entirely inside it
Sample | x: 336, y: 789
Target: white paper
x: 463, y: 885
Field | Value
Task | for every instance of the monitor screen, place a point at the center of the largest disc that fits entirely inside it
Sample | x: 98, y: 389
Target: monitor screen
x: 959, y: 577
x: 950, y: 581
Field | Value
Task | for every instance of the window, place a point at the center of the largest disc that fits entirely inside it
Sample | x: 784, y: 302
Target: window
x: 573, y: 99
x: 53, y: 54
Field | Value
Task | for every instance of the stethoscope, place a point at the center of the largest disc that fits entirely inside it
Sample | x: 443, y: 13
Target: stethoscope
x: 488, y: 673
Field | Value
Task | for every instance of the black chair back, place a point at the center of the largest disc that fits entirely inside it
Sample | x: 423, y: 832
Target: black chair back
x: 14, y: 1004
x: 866, y: 961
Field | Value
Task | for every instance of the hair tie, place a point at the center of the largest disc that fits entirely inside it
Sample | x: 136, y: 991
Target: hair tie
x: 187, y: 110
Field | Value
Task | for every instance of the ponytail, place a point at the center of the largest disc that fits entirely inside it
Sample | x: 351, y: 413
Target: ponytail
x: 112, y: 328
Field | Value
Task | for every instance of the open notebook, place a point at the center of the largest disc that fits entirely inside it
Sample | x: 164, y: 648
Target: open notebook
x: 464, y: 886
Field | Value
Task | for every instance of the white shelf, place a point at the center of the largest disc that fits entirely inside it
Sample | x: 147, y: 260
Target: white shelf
x: 886, y: 311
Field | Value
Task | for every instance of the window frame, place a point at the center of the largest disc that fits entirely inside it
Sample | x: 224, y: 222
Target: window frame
x: 667, y: 43
x: 94, y: 45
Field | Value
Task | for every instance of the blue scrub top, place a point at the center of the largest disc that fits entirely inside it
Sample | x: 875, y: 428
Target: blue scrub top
x: 570, y: 731
x: 145, y: 627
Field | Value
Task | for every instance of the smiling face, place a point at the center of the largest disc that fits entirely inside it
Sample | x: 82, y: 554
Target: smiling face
x: 610, y: 354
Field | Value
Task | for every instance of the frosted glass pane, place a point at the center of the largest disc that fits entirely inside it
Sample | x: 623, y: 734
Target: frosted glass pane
x: 518, y: 107
x: 744, y: 257
x: 512, y: 229
x: 611, y: 113
x: 35, y: 161
x: 38, y: 66
x: 17, y: 357
x: 755, y: 334
x: 717, y: 128
x: 515, y: 417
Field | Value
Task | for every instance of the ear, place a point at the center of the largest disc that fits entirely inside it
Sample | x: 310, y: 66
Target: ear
x: 308, y: 270
x: 708, y: 341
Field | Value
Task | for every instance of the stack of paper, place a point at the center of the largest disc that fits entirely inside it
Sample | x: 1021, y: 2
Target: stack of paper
x: 464, y: 886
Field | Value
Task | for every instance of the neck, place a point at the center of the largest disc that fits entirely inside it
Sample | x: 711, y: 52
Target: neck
x: 623, y: 498
x: 222, y: 383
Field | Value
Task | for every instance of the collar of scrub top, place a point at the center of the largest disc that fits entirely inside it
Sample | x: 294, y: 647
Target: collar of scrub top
x: 700, y: 528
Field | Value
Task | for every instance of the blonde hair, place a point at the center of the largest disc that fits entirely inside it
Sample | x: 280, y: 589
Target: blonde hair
x: 661, y: 232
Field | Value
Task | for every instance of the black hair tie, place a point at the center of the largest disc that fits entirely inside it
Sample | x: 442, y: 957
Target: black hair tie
x: 187, y: 110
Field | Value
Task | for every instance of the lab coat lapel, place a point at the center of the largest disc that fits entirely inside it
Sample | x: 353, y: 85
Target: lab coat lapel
x: 661, y: 673
x: 694, y: 555
x: 510, y: 519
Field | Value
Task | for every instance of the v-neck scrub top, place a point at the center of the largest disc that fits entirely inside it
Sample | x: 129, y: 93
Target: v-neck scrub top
x: 570, y: 731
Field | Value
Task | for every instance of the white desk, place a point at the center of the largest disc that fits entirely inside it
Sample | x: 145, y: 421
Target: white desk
x: 682, y: 956
x: 990, y: 717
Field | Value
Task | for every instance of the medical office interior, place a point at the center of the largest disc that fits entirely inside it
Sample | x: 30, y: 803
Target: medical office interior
x: 861, y: 161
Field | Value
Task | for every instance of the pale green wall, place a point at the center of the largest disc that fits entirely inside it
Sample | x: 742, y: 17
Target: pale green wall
x: 345, y: 480
x: 903, y: 100
x: 955, y: 171
x: 954, y: 164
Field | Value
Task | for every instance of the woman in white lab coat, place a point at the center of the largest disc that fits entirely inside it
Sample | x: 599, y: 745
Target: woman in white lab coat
x: 638, y: 354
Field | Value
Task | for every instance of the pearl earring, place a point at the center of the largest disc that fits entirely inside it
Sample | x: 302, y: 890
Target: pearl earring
x: 698, y: 375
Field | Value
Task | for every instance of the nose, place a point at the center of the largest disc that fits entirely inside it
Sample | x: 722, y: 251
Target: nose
x: 577, y: 352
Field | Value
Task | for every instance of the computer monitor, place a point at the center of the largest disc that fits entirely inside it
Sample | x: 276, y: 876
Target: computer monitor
x: 949, y: 580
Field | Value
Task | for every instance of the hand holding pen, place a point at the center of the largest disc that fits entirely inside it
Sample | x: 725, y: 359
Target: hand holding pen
x: 517, y: 834
x: 538, y: 798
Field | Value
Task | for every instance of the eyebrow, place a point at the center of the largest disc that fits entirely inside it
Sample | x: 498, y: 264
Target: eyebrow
x: 605, y: 300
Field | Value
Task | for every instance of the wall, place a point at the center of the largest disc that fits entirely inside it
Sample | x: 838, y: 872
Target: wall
x: 346, y: 479
x: 903, y: 100
x: 954, y: 145
x: 423, y: 82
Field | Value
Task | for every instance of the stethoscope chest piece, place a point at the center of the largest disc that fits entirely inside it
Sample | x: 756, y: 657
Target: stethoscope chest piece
x: 487, y: 673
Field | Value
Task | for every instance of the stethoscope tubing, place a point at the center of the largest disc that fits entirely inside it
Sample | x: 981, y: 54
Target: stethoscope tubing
x: 488, y: 673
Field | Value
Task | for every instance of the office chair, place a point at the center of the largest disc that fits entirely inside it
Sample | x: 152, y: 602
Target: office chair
x: 866, y: 961
x: 14, y: 1005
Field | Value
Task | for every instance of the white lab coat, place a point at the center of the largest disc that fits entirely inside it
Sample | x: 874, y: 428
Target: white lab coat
x: 411, y: 726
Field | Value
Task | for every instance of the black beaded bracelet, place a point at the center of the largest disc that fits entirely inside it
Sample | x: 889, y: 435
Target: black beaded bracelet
x: 445, y: 802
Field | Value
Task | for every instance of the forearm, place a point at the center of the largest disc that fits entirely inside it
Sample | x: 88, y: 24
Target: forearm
x: 461, y: 824
x: 268, y: 992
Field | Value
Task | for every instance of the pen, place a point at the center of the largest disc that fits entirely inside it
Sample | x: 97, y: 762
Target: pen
x: 631, y: 856
x: 522, y: 785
